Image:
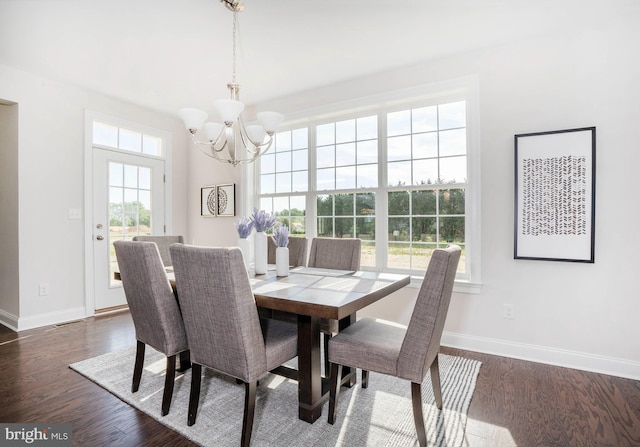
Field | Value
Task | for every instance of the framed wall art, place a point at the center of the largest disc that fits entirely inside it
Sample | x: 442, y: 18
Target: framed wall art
x: 208, y: 201
x: 226, y: 199
x: 554, y: 217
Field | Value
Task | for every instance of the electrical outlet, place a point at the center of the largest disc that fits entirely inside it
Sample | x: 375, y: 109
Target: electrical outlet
x: 43, y: 289
x: 508, y: 312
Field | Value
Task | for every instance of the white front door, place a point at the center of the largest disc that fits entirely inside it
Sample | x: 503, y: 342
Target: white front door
x: 128, y: 200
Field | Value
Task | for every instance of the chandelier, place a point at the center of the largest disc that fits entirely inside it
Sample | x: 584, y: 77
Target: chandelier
x: 232, y: 141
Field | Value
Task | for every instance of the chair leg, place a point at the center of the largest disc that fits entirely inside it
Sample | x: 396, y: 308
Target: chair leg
x: 194, y: 396
x: 249, y: 410
x: 418, y: 418
x: 137, y: 368
x: 334, y: 390
x: 185, y: 361
x: 365, y: 378
x: 169, y: 379
x: 435, y: 382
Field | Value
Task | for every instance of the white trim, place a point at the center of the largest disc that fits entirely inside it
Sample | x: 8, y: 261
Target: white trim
x: 89, y: 282
x: 442, y: 90
x: 9, y: 320
x: 167, y: 156
x: 459, y: 286
x: 551, y: 356
x: 35, y: 321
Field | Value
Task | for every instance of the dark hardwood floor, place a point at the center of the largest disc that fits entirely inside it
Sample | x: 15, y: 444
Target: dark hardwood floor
x: 516, y: 403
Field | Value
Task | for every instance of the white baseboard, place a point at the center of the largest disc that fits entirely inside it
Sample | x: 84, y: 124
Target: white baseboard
x: 569, y: 359
x: 9, y: 320
x: 31, y: 322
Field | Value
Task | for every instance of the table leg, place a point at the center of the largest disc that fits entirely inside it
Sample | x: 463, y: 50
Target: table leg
x: 348, y: 374
x: 310, y: 396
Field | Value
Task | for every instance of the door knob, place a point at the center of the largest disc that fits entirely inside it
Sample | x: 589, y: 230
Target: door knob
x: 100, y: 237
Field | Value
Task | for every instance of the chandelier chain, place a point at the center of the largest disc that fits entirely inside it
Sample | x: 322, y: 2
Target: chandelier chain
x: 235, y: 26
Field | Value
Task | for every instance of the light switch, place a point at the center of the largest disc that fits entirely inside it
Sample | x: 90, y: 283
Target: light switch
x: 75, y: 213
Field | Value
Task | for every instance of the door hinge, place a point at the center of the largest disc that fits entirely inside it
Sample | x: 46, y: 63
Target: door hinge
x: 165, y: 229
x: 164, y: 178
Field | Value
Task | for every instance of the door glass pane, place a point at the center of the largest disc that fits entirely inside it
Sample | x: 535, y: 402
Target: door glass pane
x: 130, y: 208
x: 116, y: 177
x: 144, y: 178
x: 130, y: 176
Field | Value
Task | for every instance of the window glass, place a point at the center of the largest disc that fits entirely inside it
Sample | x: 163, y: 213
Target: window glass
x: 105, y: 135
x: 151, y: 145
x: 130, y: 140
x: 367, y: 151
x: 367, y: 128
x: 325, y: 134
x: 399, y: 123
x: 452, y: 115
x: 126, y: 139
x: 345, y: 131
x: 424, y: 189
x: 285, y: 169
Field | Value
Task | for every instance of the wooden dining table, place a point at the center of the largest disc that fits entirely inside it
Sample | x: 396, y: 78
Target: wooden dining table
x: 312, y: 294
x: 307, y: 296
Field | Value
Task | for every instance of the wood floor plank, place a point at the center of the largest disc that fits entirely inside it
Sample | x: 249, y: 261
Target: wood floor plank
x: 516, y: 403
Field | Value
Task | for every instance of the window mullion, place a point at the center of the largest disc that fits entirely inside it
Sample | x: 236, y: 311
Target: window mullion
x: 382, y: 219
x: 311, y: 217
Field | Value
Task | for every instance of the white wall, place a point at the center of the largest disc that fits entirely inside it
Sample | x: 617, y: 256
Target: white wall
x: 9, y: 286
x: 572, y: 314
x: 51, y: 180
x: 205, y: 171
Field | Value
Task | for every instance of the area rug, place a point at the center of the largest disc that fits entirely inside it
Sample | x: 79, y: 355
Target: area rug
x: 379, y: 415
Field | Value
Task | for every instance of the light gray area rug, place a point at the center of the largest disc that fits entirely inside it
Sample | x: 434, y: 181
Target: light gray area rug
x: 380, y: 415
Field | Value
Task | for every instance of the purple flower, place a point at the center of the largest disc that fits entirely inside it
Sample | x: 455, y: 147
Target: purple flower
x: 281, y: 235
x: 262, y: 220
x: 244, y: 227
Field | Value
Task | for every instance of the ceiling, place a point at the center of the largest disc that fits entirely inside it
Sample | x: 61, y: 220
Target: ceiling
x: 168, y: 54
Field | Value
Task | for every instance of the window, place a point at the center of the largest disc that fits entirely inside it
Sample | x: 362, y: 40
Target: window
x: 284, y: 170
x: 126, y: 139
x: 426, y: 176
x: 395, y: 175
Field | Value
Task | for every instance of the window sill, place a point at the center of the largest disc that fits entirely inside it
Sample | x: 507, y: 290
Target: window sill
x: 460, y: 286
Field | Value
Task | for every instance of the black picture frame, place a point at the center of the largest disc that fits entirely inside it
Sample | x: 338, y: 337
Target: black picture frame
x: 555, y: 195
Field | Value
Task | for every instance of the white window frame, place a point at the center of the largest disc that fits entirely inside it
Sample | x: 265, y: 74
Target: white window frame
x: 466, y: 89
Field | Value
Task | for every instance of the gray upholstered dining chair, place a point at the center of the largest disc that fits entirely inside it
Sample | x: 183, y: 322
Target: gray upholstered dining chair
x: 339, y: 254
x: 222, y: 324
x: 297, y: 251
x: 407, y: 353
x: 154, y: 310
x: 163, y: 243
